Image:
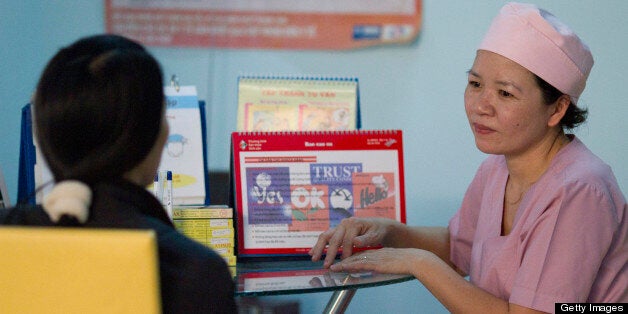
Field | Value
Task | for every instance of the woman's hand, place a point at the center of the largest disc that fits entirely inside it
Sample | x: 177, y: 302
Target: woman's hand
x: 384, y: 260
x: 358, y: 232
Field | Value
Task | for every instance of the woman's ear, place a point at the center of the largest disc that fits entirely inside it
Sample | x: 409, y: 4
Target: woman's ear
x: 559, y: 108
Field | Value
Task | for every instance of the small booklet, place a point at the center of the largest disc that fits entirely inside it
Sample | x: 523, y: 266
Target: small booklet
x: 184, y: 153
x: 291, y: 186
x: 297, y: 104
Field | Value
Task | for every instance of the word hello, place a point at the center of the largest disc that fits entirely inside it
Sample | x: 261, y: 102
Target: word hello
x: 367, y: 197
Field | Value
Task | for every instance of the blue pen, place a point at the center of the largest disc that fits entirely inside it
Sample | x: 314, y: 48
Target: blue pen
x: 169, y: 199
x: 157, y: 189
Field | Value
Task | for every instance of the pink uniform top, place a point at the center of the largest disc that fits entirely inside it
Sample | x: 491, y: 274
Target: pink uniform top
x: 569, y: 241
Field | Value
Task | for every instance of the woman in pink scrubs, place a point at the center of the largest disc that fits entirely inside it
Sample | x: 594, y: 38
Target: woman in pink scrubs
x: 544, y: 220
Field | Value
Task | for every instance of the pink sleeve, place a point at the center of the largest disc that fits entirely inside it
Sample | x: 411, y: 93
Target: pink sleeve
x: 463, y: 224
x: 563, y: 251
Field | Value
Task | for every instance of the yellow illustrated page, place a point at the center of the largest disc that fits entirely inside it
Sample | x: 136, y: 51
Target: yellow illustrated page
x: 296, y: 104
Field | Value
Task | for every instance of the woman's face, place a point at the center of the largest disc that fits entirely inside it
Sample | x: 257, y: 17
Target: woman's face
x: 505, y: 107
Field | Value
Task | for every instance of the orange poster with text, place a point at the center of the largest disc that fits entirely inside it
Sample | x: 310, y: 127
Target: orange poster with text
x: 276, y: 24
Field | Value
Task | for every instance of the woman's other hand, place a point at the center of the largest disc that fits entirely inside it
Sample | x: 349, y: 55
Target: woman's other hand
x: 385, y: 261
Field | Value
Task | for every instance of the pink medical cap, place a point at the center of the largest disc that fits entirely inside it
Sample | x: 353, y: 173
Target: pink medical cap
x: 538, y: 41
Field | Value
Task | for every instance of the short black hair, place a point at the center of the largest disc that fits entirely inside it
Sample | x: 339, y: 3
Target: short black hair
x: 98, y: 108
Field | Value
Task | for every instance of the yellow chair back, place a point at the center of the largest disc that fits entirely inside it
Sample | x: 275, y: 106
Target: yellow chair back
x: 70, y: 270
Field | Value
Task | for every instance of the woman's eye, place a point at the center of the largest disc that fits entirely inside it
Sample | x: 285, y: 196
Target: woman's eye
x: 474, y: 84
x: 504, y: 93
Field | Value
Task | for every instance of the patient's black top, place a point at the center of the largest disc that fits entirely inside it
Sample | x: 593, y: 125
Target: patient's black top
x: 194, y: 279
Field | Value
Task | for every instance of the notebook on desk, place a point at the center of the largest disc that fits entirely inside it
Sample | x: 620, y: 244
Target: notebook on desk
x: 75, y: 270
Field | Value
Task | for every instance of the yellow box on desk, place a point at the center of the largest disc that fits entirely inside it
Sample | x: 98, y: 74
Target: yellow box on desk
x: 203, y: 222
x: 233, y: 270
x: 204, y: 239
x: 201, y: 228
x: 189, y: 212
x: 225, y: 251
x: 220, y: 242
x: 200, y: 233
x: 198, y: 236
x: 220, y: 233
x: 230, y: 260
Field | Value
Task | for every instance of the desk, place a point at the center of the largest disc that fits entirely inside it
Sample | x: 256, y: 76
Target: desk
x: 304, y: 276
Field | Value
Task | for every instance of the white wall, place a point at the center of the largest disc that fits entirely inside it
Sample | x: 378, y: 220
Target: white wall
x: 417, y: 88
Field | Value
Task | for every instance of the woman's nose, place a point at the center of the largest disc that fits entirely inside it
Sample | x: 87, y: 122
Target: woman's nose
x: 484, y: 103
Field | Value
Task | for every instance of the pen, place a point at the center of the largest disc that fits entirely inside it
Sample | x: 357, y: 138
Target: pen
x: 169, y: 193
x: 157, y: 187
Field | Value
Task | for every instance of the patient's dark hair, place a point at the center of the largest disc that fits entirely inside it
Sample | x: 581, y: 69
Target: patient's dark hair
x: 98, y: 108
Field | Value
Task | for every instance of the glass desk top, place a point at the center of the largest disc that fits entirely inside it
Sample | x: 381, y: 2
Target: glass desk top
x: 302, y: 276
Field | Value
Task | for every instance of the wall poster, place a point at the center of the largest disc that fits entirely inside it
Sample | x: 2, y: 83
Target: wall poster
x: 265, y: 24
